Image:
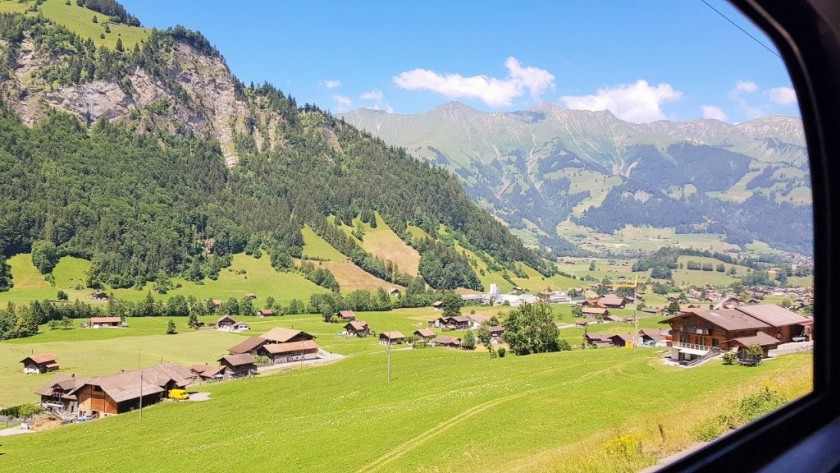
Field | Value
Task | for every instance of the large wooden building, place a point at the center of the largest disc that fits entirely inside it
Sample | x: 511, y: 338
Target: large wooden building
x: 40, y: 363
x: 291, y: 351
x: 700, y: 333
x: 113, y: 394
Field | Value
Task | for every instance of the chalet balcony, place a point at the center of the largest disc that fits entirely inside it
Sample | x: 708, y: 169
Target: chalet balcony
x: 695, y: 347
x: 695, y: 330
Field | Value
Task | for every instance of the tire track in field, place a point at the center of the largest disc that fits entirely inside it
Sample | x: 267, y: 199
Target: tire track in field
x: 415, y: 442
x: 423, y: 437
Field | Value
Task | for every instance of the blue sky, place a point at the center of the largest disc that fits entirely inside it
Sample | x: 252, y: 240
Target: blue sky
x: 643, y: 60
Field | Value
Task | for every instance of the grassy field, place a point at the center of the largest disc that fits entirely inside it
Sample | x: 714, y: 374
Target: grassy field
x: 444, y: 410
x: 79, y: 20
x: 383, y: 243
x: 315, y: 246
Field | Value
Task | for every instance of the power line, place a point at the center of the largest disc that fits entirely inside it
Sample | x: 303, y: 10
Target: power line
x: 742, y: 29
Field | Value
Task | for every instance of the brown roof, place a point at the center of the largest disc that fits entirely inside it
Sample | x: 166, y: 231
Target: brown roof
x: 437, y: 303
x: 130, y: 384
x: 226, y: 317
x: 60, y: 382
x: 216, y: 302
x: 653, y: 333
x: 238, y: 360
x: 346, y: 314
x: 772, y: 314
x: 593, y: 310
x: 759, y: 338
x: 266, y: 311
x: 283, y: 335
x: 425, y: 333
x: 41, y: 358
x: 610, y: 300
x: 391, y: 335
x: 207, y: 371
x: 447, y: 340
x: 496, y: 330
x: 105, y: 320
x: 602, y: 337
x: 728, y: 319
x: 250, y: 344
x: 479, y: 318
x: 358, y: 325
x: 277, y: 348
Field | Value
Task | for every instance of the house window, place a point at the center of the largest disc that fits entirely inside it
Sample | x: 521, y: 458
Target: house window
x: 715, y: 342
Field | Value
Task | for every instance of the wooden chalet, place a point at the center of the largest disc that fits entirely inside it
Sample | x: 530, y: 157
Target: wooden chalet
x: 496, y: 333
x: 459, y: 322
x: 225, y: 323
x: 346, y: 315
x: 594, y: 312
x: 394, y: 291
x: 391, y: 338
x: 599, y: 340
x: 97, y: 322
x: 238, y: 366
x: 611, y: 301
x: 449, y: 342
x: 122, y: 392
x: 290, y: 352
x: 216, y: 303
x: 477, y: 319
x: 357, y: 328
x: 265, y: 312
x: 437, y: 305
x: 424, y: 334
x: 652, y: 336
x: 55, y: 394
x: 249, y: 345
x: 41, y: 363
x: 699, y: 333
x: 208, y: 372
x: 285, y: 335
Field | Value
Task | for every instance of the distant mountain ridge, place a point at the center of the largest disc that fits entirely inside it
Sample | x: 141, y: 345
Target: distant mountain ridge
x: 548, y: 165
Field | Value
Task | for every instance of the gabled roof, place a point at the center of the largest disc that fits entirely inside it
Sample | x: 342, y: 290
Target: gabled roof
x: 425, y: 333
x: 727, y: 319
x: 266, y: 311
x: 610, y: 300
x: 358, y: 325
x: 207, y: 371
x: 40, y: 358
x: 60, y: 382
x: 346, y: 314
x: 278, y: 348
x: 226, y: 317
x: 105, y: 320
x: 772, y: 314
x: 250, y: 344
x: 447, y: 340
x: 653, y: 333
x: 496, y: 330
x: 283, y: 335
x: 478, y: 318
x: 593, y: 310
x: 132, y: 384
x: 238, y: 360
x: 391, y: 335
x: 759, y: 338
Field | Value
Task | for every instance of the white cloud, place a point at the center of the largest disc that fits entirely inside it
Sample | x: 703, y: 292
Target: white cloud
x: 490, y: 90
x: 377, y: 97
x: 374, y: 94
x: 342, y: 103
x: 330, y: 84
x: 639, y: 102
x: 711, y: 112
x: 782, y: 95
x: 745, y: 86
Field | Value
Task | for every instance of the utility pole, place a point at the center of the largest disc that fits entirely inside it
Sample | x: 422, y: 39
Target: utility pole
x: 389, y: 358
x: 635, y: 304
x: 141, y: 394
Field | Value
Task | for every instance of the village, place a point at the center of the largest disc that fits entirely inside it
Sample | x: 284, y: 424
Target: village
x: 691, y: 329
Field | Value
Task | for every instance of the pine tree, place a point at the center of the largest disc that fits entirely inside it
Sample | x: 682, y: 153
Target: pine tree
x: 119, y: 46
x: 170, y: 328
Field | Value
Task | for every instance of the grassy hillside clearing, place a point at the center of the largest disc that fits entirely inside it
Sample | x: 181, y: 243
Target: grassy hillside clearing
x: 318, y: 248
x: 351, y: 277
x: 79, y: 20
x: 383, y: 243
x: 443, y: 410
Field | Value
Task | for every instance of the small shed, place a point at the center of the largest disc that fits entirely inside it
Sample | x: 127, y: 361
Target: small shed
x: 390, y: 338
x: 424, y: 334
x: 265, y: 312
x: 358, y: 328
x: 449, y: 342
x: 291, y: 352
x: 437, y: 305
x: 37, y: 364
x: 97, y: 322
x: 346, y: 315
x: 208, y: 372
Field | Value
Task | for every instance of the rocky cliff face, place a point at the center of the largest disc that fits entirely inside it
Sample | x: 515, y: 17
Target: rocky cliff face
x: 212, y: 105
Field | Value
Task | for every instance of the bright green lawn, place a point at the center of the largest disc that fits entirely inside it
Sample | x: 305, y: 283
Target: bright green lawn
x: 443, y: 410
x: 315, y: 246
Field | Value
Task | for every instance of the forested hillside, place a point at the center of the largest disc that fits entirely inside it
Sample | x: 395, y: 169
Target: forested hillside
x: 162, y: 180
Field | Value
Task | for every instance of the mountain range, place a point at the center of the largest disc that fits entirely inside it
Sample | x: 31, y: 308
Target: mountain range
x: 553, y: 172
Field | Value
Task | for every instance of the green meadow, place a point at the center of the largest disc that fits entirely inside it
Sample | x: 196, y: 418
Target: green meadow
x: 443, y: 410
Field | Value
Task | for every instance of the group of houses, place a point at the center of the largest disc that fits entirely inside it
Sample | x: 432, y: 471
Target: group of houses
x: 279, y: 345
x: 517, y: 297
x: 228, y: 324
x: 644, y: 337
x: 701, y: 333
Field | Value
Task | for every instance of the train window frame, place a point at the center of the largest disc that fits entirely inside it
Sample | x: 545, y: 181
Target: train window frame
x: 802, y: 436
